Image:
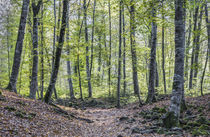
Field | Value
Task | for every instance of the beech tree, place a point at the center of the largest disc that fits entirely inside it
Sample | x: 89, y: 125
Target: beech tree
x: 58, y: 53
x: 172, y: 117
x: 19, y: 46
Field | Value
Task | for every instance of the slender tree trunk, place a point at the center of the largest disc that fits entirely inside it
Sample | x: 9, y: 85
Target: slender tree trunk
x: 92, y: 37
x: 120, y: 54
x: 58, y: 53
x: 34, y: 79
x: 87, y: 51
x: 172, y: 117
x: 42, y: 53
x: 133, y: 49
x: 110, y: 49
x: 78, y: 52
x: 188, y: 46
x: 163, y: 50
x: 124, y: 51
x: 197, y: 48
x: 19, y: 45
x: 193, y: 50
x: 152, y: 66
x: 208, y: 50
x: 99, y: 55
x: 8, y: 46
x: 71, y: 89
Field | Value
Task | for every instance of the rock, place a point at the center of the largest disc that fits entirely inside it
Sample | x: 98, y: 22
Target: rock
x: 188, y: 112
x: 131, y: 120
x: 123, y: 118
x: 136, y: 130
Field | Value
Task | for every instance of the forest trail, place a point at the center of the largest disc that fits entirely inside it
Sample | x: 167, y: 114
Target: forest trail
x: 21, y: 116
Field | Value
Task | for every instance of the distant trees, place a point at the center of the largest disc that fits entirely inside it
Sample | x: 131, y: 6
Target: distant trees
x: 19, y: 46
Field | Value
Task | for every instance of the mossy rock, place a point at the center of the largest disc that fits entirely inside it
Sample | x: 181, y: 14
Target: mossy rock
x: 193, y: 124
x: 21, y: 114
x: 202, y: 120
x: 204, y: 127
x: 170, y: 120
x: 197, y: 132
x: 9, y: 108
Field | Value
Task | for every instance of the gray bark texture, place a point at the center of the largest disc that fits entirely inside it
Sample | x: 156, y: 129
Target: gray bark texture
x: 172, y: 117
x: 34, y: 80
x: 53, y: 79
x: 152, y: 66
x: 19, y: 46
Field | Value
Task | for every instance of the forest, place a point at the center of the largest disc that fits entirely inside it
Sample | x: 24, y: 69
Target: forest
x: 104, y: 68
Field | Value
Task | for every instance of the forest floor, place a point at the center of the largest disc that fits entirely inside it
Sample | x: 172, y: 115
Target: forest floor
x: 21, y: 116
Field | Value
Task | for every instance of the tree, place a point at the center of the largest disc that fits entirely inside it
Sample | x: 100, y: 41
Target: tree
x: 87, y: 51
x: 120, y: 54
x: 58, y: 53
x: 153, y: 65
x: 133, y: 48
x: 110, y: 49
x: 34, y: 80
x: 208, y: 47
x: 172, y: 117
x: 19, y: 45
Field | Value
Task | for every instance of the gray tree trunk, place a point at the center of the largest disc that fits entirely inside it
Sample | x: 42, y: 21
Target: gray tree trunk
x: 110, y: 49
x: 53, y: 79
x: 19, y: 45
x: 172, y: 117
x: 34, y: 80
x: 208, y: 50
x: 120, y: 54
x: 124, y: 51
x: 152, y: 66
x: 71, y: 89
x: 133, y: 49
x: 87, y: 51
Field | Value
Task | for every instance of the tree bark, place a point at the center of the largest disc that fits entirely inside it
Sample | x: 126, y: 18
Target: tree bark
x: 71, y: 89
x: 42, y: 53
x: 19, y: 45
x: 87, y: 51
x: 92, y: 37
x: 120, y: 55
x: 110, y: 49
x: 124, y: 51
x: 34, y: 80
x: 193, y: 50
x: 172, y: 117
x: 133, y: 49
x: 163, y: 50
x: 53, y: 79
x: 208, y: 48
x: 152, y: 66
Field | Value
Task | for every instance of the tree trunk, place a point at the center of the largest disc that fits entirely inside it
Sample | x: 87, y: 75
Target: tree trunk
x: 92, y: 37
x: 208, y: 48
x: 120, y: 54
x: 110, y: 49
x: 124, y: 51
x: 152, y: 66
x: 19, y: 45
x: 34, y: 80
x: 197, y: 48
x: 53, y: 79
x: 87, y: 51
x: 163, y: 50
x: 133, y: 49
x: 71, y: 89
x: 193, y: 50
x: 188, y: 46
x: 42, y: 54
x: 172, y: 117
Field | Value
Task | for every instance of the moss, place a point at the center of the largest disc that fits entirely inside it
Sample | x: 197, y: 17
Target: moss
x: 204, y: 127
x: 202, y: 120
x: 10, y: 108
x: 193, y: 124
x: 21, y: 114
x: 197, y: 132
x: 159, y: 110
x: 160, y: 131
x: 170, y: 120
